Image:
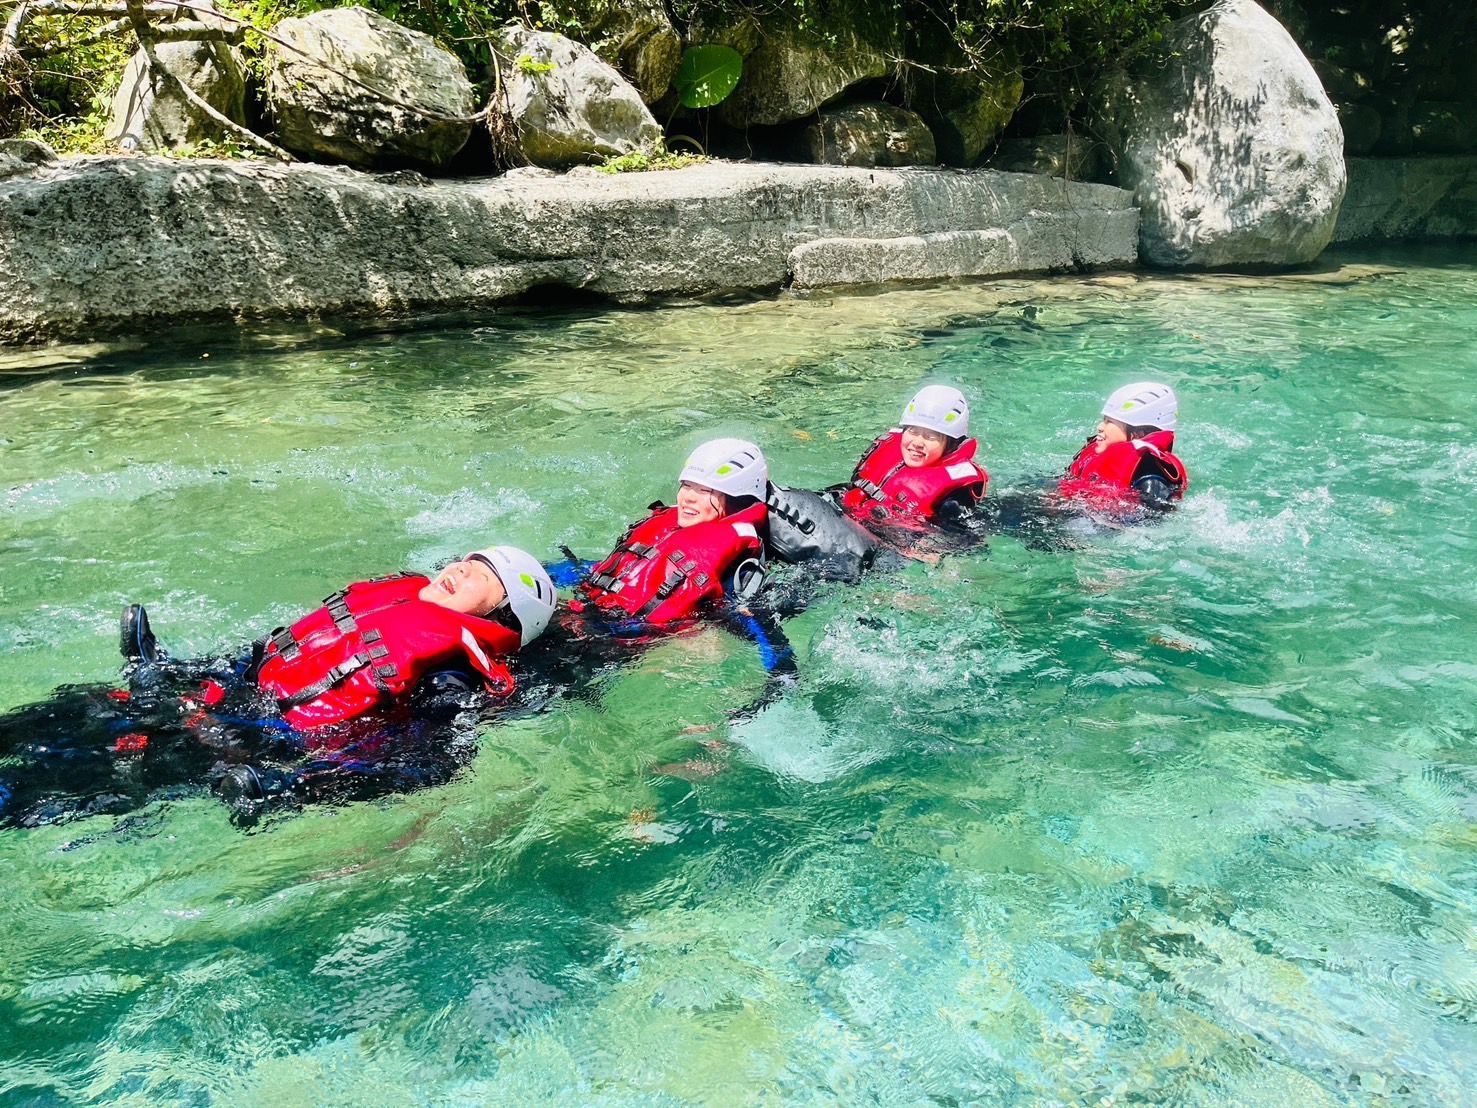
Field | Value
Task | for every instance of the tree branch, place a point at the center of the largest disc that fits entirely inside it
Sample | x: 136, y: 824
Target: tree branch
x: 157, y: 72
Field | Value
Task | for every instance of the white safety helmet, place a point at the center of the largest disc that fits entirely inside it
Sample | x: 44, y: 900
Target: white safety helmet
x: 939, y: 408
x: 530, y: 592
x: 1144, y: 404
x: 730, y: 466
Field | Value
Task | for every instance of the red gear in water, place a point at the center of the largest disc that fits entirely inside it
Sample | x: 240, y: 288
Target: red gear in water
x: 884, y: 489
x: 1110, y: 475
x: 367, y: 647
x: 660, y: 572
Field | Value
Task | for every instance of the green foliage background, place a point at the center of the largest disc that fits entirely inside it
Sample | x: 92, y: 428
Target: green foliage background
x: 1064, y: 43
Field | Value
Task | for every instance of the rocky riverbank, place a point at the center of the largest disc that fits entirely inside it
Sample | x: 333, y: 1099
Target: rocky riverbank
x: 94, y: 246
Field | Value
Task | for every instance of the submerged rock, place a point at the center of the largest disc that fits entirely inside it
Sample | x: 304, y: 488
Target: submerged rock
x: 569, y: 107
x: 869, y: 135
x: 154, y: 116
x: 321, y: 115
x: 1230, y: 144
x: 214, y: 239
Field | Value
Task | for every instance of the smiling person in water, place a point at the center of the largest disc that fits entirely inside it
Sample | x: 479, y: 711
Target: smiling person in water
x: 1128, y: 464
x: 364, y: 688
x: 677, y: 562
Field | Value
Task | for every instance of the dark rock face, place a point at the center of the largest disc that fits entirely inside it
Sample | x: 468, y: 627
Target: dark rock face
x: 965, y: 106
x: 869, y: 135
x: 637, y: 37
x: 1078, y: 157
x: 791, y: 72
x: 1409, y: 65
x: 1409, y: 198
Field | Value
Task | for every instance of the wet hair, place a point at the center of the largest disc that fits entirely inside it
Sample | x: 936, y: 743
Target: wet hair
x: 1139, y: 432
x: 504, y: 616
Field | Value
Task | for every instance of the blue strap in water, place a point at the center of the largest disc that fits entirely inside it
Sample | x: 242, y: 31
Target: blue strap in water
x: 565, y: 573
x: 767, y: 653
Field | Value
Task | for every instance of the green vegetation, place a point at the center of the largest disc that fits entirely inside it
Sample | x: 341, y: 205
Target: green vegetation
x: 637, y: 162
x: 707, y: 75
x: 59, y: 84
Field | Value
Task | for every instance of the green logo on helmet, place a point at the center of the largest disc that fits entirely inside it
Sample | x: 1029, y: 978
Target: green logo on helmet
x: 724, y: 471
x: 1128, y: 407
x: 527, y: 580
x: 951, y: 417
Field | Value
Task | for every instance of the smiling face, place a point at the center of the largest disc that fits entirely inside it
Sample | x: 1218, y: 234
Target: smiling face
x: 922, y: 447
x: 1110, y: 431
x: 696, y: 504
x: 468, y: 586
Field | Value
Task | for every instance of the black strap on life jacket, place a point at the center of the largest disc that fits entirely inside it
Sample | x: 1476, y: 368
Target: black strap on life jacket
x: 675, y: 578
x: 874, y: 491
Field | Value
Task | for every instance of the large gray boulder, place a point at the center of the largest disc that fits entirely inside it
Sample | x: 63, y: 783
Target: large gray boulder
x: 869, y: 135
x: 792, y: 71
x: 154, y: 116
x: 1230, y: 145
x: 321, y: 115
x: 568, y: 106
x: 92, y: 245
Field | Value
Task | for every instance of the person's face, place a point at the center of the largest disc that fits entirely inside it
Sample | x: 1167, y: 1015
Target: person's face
x: 468, y: 586
x: 696, y: 504
x: 922, y: 447
x: 1110, y: 431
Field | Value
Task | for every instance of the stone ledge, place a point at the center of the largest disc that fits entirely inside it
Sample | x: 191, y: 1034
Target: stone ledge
x: 1392, y: 199
x: 96, y: 246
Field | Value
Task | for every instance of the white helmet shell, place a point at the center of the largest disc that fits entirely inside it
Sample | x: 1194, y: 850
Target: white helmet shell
x: 1144, y: 404
x: 530, y: 591
x: 730, y: 466
x: 938, y: 408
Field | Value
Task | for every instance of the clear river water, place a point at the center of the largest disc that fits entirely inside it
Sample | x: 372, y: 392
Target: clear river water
x: 1187, y: 814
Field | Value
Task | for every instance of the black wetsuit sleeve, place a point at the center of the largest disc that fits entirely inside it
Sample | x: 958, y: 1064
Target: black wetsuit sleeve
x: 759, y: 626
x: 960, y: 511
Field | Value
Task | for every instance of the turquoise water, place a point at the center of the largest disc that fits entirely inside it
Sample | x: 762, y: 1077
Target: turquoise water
x: 1185, y: 815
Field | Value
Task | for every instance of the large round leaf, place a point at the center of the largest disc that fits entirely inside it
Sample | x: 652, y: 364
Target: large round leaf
x: 707, y: 75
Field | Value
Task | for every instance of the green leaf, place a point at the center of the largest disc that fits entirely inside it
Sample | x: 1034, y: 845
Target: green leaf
x: 707, y: 75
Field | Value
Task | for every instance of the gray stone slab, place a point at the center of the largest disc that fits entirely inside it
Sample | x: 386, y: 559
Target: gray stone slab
x: 1409, y: 198
x: 94, y: 246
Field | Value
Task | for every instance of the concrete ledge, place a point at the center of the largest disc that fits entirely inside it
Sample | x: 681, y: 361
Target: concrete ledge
x: 93, y: 246
x: 1409, y: 198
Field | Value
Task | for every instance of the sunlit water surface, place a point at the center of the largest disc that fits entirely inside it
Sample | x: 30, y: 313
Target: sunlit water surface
x: 1186, y: 815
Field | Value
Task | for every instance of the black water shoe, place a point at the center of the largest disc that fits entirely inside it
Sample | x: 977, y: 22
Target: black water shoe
x: 241, y: 790
x: 135, y: 640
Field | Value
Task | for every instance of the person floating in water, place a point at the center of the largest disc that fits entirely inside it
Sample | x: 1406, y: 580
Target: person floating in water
x: 915, y: 491
x: 703, y: 558
x: 1129, y: 463
x: 361, y: 696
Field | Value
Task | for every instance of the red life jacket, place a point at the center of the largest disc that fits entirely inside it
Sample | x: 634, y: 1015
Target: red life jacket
x: 1110, y: 475
x: 368, y: 646
x: 660, y: 572
x: 885, y: 489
